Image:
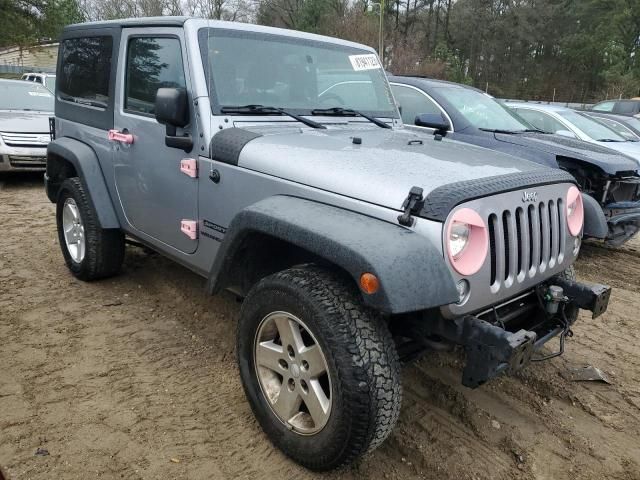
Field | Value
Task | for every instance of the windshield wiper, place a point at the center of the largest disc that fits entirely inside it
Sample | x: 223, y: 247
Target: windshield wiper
x: 609, y: 140
x: 348, y: 112
x: 534, y: 130
x: 265, y: 110
x: 497, y: 130
x: 512, y: 132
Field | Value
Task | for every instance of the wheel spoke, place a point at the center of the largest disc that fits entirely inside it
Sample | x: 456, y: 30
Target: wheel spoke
x: 74, y: 211
x: 317, y: 403
x: 289, y: 333
x: 268, y: 354
x: 288, y: 403
x: 68, y: 236
x: 314, y: 358
x: 81, y: 247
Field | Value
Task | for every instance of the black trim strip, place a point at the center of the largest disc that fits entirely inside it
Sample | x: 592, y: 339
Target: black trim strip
x: 227, y: 144
x: 443, y: 199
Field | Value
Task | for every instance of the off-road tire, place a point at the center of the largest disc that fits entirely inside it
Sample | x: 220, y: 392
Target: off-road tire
x: 104, y: 247
x: 361, y: 358
x: 571, y: 312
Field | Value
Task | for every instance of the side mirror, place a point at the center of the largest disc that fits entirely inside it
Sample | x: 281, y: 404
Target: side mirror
x: 565, y: 133
x: 433, y: 120
x: 172, y: 110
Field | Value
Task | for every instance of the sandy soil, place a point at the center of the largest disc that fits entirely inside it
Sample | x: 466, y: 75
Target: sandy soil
x: 135, y: 377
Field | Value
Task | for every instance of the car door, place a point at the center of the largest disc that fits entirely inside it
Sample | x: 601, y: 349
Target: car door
x: 157, y: 198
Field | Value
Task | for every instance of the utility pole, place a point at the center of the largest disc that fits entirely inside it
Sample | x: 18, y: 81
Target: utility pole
x: 381, y: 35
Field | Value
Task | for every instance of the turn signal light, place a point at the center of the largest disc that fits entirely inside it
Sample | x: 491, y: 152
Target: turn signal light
x: 369, y: 283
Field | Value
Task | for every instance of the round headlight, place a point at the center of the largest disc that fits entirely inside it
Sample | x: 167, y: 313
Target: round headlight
x: 466, y: 241
x: 575, y: 211
x: 458, y: 238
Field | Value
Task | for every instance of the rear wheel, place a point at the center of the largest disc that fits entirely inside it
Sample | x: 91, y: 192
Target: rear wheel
x: 319, y: 369
x: 89, y: 251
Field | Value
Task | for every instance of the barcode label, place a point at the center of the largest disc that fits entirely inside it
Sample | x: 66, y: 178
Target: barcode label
x: 364, y: 62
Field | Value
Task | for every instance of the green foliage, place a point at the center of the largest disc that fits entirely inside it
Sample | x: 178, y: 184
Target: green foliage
x: 24, y: 22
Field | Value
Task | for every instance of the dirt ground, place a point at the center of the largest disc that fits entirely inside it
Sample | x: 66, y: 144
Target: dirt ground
x: 135, y: 377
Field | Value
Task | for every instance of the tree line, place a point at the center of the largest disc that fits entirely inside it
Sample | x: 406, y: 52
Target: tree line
x: 563, y: 50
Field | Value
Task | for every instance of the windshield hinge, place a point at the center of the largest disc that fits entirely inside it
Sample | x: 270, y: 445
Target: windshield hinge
x: 411, y: 205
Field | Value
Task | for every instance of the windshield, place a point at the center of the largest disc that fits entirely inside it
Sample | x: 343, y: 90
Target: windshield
x: 19, y: 95
x: 633, y: 122
x: 618, y: 127
x: 481, y: 110
x: 300, y: 75
x: 591, y: 128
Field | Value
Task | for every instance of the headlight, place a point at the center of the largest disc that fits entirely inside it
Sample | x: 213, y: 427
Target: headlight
x: 466, y: 241
x: 575, y: 211
x: 458, y: 238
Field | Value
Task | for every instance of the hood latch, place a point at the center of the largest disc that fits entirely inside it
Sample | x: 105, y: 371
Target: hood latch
x: 411, y: 205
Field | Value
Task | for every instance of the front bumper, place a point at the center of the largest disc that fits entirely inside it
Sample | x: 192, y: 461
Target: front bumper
x: 23, y: 159
x: 623, y: 219
x: 506, y: 337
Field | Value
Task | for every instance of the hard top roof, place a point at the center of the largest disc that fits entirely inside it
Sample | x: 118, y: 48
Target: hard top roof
x: 200, y: 23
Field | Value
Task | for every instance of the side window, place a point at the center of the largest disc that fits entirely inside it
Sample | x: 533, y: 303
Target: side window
x: 626, y: 108
x: 38, y: 79
x: 86, y: 68
x: 413, y: 103
x: 541, y: 120
x: 152, y: 63
x: 604, y: 106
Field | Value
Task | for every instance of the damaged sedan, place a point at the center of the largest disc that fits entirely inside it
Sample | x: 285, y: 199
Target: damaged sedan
x: 609, y: 180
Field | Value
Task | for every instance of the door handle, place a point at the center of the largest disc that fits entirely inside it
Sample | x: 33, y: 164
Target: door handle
x: 120, y: 136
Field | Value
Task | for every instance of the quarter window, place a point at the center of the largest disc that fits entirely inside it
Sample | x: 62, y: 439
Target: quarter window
x: 152, y: 63
x: 412, y: 103
x: 86, y: 69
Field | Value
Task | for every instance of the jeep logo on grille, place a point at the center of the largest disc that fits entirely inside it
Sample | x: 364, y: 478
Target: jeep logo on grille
x: 529, y: 197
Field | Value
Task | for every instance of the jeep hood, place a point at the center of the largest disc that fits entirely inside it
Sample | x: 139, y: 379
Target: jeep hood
x: 24, y: 121
x: 608, y: 160
x: 381, y: 170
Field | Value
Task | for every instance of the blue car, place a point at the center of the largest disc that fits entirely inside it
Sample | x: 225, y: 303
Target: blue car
x: 609, y: 180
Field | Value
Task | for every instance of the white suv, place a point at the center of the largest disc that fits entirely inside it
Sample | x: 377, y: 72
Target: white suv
x: 46, y: 79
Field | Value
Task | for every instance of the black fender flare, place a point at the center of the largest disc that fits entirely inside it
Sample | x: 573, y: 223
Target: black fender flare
x: 87, y: 166
x: 595, y: 223
x: 412, y: 272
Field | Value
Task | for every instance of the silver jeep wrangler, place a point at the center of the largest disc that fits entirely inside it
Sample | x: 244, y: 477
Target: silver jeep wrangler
x: 274, y: 164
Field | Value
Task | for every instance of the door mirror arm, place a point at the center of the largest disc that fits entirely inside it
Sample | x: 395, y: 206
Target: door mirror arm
x: 173, y: 140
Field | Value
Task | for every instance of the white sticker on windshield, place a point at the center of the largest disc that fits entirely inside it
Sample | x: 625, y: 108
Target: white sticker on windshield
x: 39, y: 94
x: 364, y: 62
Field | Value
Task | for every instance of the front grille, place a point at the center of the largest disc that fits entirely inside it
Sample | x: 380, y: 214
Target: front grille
x: 525, y: 241
x: 33, y: 140
x: 19, y: 161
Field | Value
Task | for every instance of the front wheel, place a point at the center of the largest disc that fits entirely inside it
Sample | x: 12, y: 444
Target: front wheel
x: 319, y: 369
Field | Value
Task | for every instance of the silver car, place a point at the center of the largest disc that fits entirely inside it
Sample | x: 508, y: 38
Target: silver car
x: 569, y: 122
x: 25, y: 109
